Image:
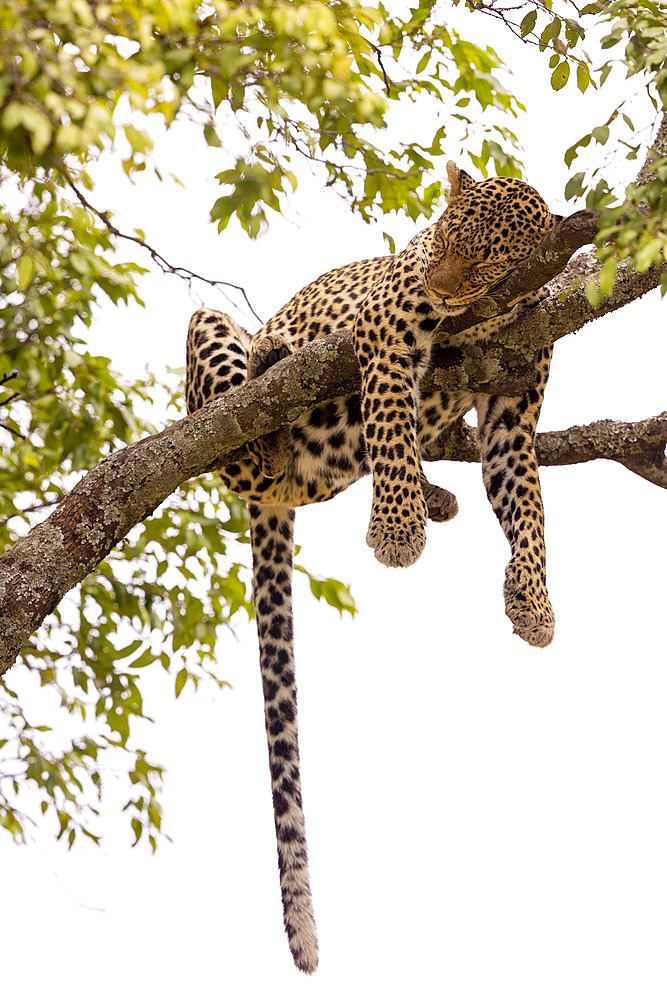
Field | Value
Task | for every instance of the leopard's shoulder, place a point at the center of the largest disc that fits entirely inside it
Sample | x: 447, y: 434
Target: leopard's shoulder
x: 328, y: 303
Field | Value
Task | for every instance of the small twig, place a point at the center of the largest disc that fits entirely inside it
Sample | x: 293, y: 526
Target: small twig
x: 10, y: 430
x: 387, y: 171
x: 163, y: 264
x: 387, y: 81
x: 33, y: 509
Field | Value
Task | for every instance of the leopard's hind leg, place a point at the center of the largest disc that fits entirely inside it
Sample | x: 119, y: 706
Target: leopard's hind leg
x: 217, y: 357
x: 221, y: 355
x: 272, y: 449
x: 506, y: 434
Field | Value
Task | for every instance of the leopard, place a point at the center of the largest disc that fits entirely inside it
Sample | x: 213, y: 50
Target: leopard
x: 392, y: 306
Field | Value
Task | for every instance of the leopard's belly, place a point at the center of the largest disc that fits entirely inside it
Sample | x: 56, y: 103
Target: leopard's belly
x: 327, y: 450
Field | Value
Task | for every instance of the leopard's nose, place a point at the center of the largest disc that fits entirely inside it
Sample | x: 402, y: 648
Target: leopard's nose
x: 446, y: 285
x: 446, y: 277
x: 443, y: 282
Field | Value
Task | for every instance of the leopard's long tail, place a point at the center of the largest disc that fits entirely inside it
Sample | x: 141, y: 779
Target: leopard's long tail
x: 271, y: 534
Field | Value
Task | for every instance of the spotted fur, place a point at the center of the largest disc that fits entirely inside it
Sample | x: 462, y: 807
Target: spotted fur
x: 392, y: 305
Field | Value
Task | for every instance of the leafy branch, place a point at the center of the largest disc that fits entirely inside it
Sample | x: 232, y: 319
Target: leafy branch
x: 163, y: 264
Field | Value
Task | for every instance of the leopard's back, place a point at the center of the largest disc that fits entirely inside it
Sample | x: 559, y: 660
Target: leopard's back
x: 328, y: 303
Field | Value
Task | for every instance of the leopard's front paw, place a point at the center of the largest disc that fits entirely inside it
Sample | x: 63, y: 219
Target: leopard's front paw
x: 266, y: 352
x: 394, y: 544
x: 397, y: 548
x: 527, y: 604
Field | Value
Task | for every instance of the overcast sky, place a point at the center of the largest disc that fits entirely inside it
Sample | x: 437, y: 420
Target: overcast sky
x: 485, y: 819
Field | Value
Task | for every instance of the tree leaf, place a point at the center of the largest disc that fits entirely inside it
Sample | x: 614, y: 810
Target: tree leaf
x: 583, y: 77
x: 575, y: 186
x: 607, y: 276
x: 560, y: 75
x: 592, y: 293
x: 528, y: 23
x: 181, y: 678
x: 24, y: 272
x: 211, y: 136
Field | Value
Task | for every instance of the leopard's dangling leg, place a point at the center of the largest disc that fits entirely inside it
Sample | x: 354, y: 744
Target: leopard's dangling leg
x: 216, y: 357
x: 389, y: 395
x: 271, y: 535
x: 506, y: 435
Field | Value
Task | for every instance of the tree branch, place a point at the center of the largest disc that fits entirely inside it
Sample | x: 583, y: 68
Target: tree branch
x: 164, y: 265
x: 125, y: 488
x: 639, y: 446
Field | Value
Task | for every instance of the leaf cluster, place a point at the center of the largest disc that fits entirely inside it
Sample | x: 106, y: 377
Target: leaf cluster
x: 633, y: 37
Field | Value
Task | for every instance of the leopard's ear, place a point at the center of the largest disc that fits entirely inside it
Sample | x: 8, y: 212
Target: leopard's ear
x: 459, y: 181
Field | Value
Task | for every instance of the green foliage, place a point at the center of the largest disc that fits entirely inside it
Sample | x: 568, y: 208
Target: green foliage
x: 318, y: 77
x: 304, y: 82
x: 332, y: 592
x: 634, y: 227
x: 635, y: 232
x: 155, y: 604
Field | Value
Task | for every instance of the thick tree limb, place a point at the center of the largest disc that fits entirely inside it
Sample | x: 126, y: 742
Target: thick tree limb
x: 124, y: 489
x: 639, y: 446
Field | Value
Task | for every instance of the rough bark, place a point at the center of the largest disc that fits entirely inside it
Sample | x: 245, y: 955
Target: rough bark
x: 656, y: 149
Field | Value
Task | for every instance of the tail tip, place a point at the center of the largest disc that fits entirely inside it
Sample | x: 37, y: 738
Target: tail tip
x: 302, y: 938
x: 306, y: 959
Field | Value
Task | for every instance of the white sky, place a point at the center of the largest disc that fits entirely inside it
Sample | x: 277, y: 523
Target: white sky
x: 485, y: 819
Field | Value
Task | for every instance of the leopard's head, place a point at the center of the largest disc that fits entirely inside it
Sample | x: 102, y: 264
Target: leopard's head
x: 488, y: 228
